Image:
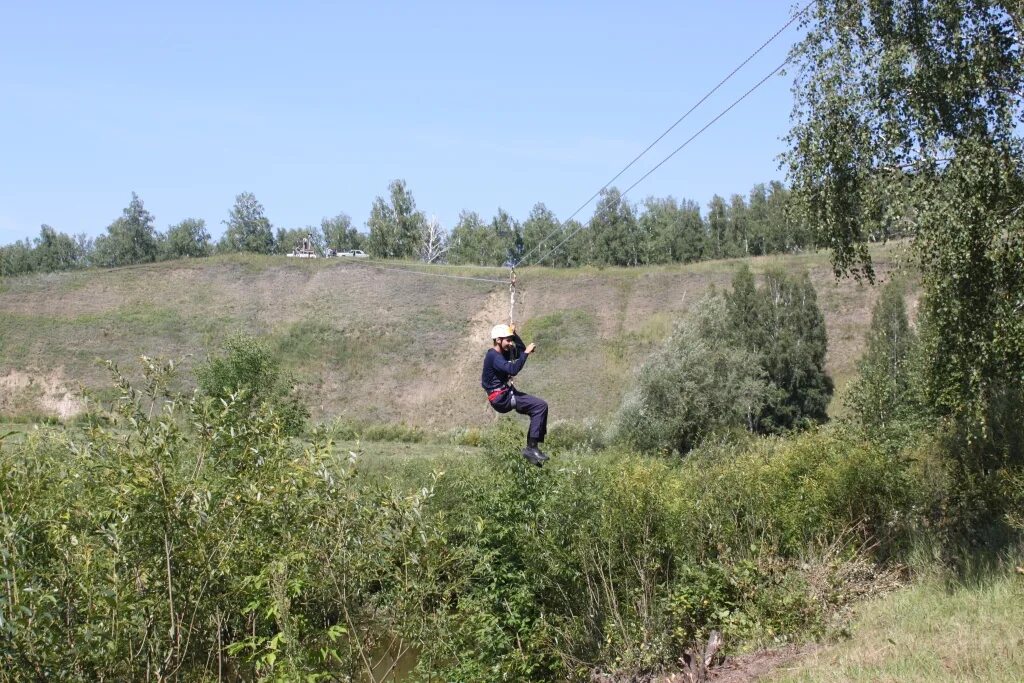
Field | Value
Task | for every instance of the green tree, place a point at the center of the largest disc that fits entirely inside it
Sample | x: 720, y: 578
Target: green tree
x: 339, y: 233
x: 188, y: 239
x: 18, y: 258
x: 674, y: 230
x: 785, y: 231
x: 719, y: 231
x: 759, y: 221
x: 469, y: 241
x: 248, y: 228
x: 739, y: 225
x: 744, y: 304
x: 576, y: 246
x: 615, y: 233
x: 507, y: 236
x: 129, y: 239
x: 699, y: 384
x: 51, y: 251
x: 541, y: 232
x: 884, y: 392
x: 782, y: 324
x: 908, y: 117
x: 493, y: 244
x: 246, y: 370
x: 55, y: 251
x: 396, y: 227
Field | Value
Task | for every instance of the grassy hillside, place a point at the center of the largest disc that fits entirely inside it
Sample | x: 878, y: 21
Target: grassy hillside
x: 377, y: 345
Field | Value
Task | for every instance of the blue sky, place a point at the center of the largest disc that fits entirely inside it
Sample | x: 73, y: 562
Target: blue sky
x: 316, y: 106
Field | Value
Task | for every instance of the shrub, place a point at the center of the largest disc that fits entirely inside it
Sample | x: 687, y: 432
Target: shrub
x: 697, y: 385
x: 191, y: 538
x: 576, y: 436
x: 248, y: 374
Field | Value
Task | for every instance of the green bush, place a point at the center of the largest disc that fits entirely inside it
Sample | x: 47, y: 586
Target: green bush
x: 192, y: 538
x: 247, y: 373
x: 699, y: 384
x: 564, y: 435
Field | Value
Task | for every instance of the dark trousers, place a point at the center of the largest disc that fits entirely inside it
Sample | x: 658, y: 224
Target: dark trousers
x: 536, y: 408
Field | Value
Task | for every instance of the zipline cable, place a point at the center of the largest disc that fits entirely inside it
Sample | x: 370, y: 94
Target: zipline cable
x: 674, y: 152
x: 582, y: 206
x: 668, y: 130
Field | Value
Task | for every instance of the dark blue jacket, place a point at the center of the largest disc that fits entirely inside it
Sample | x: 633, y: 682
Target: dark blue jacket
x: 499, y: 368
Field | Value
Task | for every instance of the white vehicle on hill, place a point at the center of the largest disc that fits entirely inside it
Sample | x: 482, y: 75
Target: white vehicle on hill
x: 354, y: 253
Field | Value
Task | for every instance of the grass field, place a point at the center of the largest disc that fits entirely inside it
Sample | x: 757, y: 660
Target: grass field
x: 373, y: 345
x: 931, y: 632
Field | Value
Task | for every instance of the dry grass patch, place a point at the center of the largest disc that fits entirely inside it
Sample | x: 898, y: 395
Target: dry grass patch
x: 370, y: 344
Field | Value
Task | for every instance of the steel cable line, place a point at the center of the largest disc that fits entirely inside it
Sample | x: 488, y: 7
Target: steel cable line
x: 668, y: 130
x: 674, y: 152
x: 686, y: 114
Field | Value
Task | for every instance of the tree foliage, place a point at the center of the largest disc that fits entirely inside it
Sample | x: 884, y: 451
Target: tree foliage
x: 660, y: 230
x: 248, y: 228
x: 539, y: 226
x: 884, y: 392
x: 615, y: 234
x: 51, y: 251
x: 189, y: 538
x: 469, y: 242
x: 247, y: 373
x: 187, y: 239
x: 782, y: 324
x: 699, y: 384
x: 396, y: 226
x: 908, y: 118
x: 339, y: 233
x: 129, y: 239
x: 674, y: 230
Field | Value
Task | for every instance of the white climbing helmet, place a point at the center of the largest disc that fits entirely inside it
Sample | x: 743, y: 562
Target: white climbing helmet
x: 500, y: 331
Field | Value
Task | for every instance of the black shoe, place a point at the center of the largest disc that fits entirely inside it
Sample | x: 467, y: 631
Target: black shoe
x: 542, y: 454
x: 534, y: 457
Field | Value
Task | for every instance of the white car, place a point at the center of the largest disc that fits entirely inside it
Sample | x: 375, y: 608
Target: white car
x: 355, y: 253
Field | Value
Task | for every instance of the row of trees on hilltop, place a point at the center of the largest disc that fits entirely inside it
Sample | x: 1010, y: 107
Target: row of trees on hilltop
x: 619, y: 233
x: 133, y: 238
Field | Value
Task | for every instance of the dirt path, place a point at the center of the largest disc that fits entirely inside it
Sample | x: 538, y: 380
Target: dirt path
x: 460, y: 388
x: 756, y: 665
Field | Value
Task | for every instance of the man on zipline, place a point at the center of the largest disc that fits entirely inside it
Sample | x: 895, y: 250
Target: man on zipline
x: 503, y: 361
